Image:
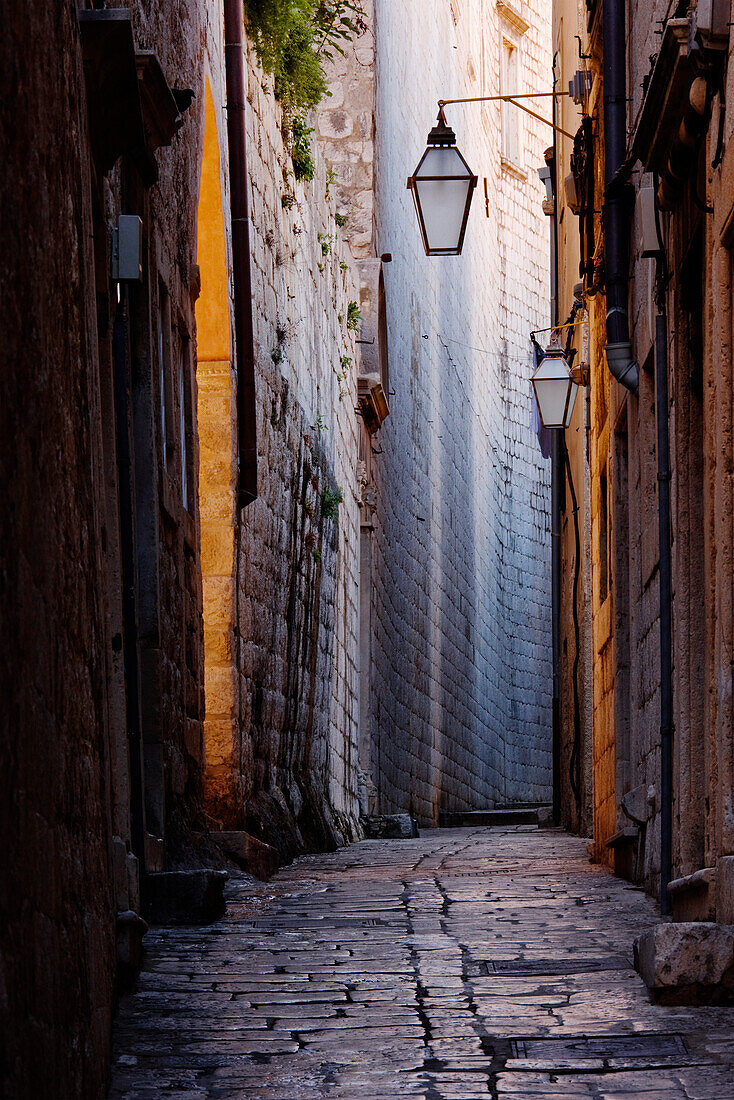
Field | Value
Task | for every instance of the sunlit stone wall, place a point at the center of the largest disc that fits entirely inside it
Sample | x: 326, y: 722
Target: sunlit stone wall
x: 461, y: 646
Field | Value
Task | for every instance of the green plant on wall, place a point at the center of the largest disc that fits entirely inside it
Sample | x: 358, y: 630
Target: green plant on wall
x: 330, y: 501
x: 326, y: 240
x: 353, y: 316
x: 293, y: 40
x: 298, y: 138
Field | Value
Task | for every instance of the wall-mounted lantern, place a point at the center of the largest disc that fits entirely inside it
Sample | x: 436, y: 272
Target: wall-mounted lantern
x: 443, y: 187
x: 443, y: 183
x: 555, y: 389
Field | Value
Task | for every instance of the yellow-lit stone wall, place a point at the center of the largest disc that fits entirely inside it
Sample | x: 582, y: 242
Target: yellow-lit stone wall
x: 281, y: 578
x: 623, y: 509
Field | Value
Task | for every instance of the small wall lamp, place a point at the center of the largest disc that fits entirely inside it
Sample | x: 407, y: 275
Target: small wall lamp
x: 555, y: 389
x: 443, y: 187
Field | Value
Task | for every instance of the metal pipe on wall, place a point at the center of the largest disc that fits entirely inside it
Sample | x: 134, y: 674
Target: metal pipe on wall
x: 129, y: 578
x: 665, y: 579
x: 618, y: 349
x: 557, y: 474
x: 240, y: 209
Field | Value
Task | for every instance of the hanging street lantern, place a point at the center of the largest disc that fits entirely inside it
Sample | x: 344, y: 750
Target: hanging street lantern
x: 443, y: 187
x: 555, y: 389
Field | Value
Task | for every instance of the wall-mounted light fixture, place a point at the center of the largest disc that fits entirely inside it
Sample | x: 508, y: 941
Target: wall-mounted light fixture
x: 555, y: 389
x: 443, y: 183
x: 443, y: 187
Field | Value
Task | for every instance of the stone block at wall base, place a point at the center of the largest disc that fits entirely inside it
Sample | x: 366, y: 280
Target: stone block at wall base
x: 389, y: 827
x: 725, y: 890
x: 687, y: 963
x: 249, y: 853
x: 624, y: 846
x: 130, y: 930
x: 185, y: 897
x: 693, y: 897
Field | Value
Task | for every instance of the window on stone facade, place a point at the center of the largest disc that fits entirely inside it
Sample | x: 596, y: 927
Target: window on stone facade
x: 510, y: 82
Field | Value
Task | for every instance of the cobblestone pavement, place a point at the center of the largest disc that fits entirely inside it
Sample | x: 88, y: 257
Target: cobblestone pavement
x: 467, y: 963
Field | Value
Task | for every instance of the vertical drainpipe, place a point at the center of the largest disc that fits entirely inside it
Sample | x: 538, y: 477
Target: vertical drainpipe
x: 234, y: 61
x: 128, y: 558
x: 557, y: 474
x: 556, y: 487
x: 616, y: 212
x: 666, y: 646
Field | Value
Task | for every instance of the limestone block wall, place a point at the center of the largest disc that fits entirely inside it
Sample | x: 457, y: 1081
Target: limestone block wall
x: 622, y: 460
x: 461, y: 681
x: 83, y: 375
x: 282, y: 699
x: 576, y: 703
x: 699, y: 351
x: 54, y: 814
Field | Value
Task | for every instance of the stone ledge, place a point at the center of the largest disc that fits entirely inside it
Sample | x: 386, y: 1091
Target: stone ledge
x: 725, y: 889
x: 687, y: 963
x: 185, y: 897
x: 693, y: 896
x: 249, y: 853
x: 130, y: 929
x: 389, y: 827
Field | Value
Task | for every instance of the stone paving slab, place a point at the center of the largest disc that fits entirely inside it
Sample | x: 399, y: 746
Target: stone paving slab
x: 469, y: 963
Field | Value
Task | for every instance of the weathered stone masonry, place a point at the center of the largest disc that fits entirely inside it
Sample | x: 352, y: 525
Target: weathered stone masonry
x: 51, y: 579
x: 350, y: 632
x: 101, y: 605
x: 621, y: 510
x: 460, y: 681
x: 282, y: 616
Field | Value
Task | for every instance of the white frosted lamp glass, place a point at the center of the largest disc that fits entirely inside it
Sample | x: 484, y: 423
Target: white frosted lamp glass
x: 443, y: 186
x: 555, y: 390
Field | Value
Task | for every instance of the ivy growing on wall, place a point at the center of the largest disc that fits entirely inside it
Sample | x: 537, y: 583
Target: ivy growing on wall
x: 293, y: 40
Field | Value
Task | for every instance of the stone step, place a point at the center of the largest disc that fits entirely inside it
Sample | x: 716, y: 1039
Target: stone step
x: 524, y: 814
x: 184, y: 897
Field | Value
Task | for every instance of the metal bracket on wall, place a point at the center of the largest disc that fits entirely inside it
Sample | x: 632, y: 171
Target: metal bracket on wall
x: 514, y: 99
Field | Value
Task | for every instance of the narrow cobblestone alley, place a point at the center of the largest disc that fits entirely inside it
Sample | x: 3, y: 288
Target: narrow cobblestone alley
x: 467, y: 963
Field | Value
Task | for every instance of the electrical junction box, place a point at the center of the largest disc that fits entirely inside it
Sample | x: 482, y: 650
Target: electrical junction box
x: 127, y: 249
x: 579, y: 87
x: 647, y: 223
x: 712, y: 23
x: 572, y: 195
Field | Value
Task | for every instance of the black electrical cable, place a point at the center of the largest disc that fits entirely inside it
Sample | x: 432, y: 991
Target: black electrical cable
x: 721, y: 91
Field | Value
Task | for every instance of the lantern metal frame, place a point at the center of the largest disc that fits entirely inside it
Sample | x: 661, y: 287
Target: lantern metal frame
x: 442, y: 136
x: 571, y: 390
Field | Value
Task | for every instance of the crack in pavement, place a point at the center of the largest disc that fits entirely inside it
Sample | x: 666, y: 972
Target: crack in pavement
x: 466, y: 963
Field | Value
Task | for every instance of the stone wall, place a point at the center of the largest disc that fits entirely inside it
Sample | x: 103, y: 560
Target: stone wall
x: 320, y: 617
x: 56, y: 858
x: 623, y: 515
x: 460, y: 685
x: 576, y: 698
x: 281, y: 743
x: 169, y: 565
x: 101, y: 753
